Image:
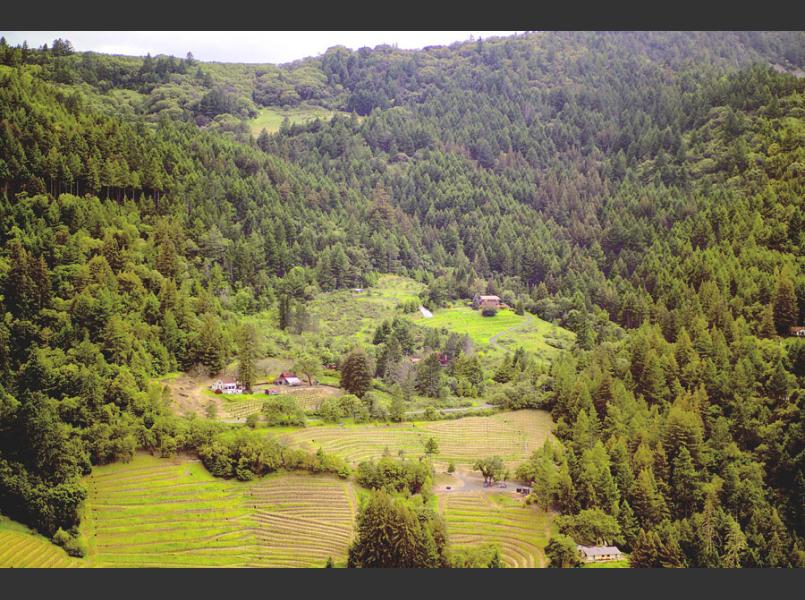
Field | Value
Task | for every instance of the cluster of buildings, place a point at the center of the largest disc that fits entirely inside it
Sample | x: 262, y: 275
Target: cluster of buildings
x: 235, y: 387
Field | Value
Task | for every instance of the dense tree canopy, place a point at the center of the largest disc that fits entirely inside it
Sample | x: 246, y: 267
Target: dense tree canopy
x: 642, y: 189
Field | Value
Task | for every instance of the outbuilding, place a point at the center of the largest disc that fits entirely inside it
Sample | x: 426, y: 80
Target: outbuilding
x: 599, y: 553
x: 226, y: 387
x: 288, y: 378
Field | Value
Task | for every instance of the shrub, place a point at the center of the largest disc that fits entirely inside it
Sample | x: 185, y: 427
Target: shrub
x: 72, y: 543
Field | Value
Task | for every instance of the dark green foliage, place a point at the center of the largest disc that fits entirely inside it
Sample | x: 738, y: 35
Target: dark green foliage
x: 283, y: 411
x: 356, y: 373
x: 391, y: 533
x: 591, y: 527
x: 640, y: 188
x: 561, y: 552
x: 247, y: 354
x: 428, y: 378
x: 395, y: 475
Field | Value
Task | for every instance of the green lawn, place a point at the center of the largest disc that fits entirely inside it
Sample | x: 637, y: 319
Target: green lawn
x: 270, y: 118
x: 615, y: 564
x: 505, y: 331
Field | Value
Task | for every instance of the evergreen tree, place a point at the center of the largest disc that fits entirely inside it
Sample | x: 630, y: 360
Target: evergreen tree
x: 356, y: 373
x: 247, y: 354
x: 785, y: 305
x: 646, y: 551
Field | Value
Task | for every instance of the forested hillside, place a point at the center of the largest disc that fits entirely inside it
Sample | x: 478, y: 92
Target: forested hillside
x: 644, y: 190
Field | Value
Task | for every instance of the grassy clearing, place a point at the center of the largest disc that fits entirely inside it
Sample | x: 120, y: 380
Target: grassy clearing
x: 505, y: 331
x: 270, y: 118
x: 511, y: 435
x: 21, y: 547
x: 521, y: 532
x: 354, y: 316
x: 615, y: 564
x: 157, y: 512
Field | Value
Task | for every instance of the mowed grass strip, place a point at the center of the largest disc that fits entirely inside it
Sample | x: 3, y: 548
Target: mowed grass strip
x: 156, y: 512
x: 22, y: 548
x: 521, y: 532
x: 511, y: 435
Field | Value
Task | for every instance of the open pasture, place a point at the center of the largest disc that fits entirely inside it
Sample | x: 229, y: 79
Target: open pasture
x: 353, y: 316
x: 521, y: 532
x: 505, y: 331
x: 270, y: 118
x: 511, y: 435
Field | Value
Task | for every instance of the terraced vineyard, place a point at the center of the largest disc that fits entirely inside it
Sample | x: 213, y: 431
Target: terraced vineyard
x: 511, y: 435
x: 22, y: 548
x: 520, y: 531
x: 165, y: 512
x: 302, y: 520
x: 242, y: 409
x: 157, y: 512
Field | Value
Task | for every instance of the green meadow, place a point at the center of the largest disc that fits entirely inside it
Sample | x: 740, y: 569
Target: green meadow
x: 506, y: 331
x: 270, y: 118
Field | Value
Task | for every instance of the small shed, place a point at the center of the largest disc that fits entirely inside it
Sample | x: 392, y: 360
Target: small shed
x: 798, y: 331
x: 483, y: 301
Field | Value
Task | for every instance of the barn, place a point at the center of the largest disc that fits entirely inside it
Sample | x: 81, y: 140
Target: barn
x: 288, y: 378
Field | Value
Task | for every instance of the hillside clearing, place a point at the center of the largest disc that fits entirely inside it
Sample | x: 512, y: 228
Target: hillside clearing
x: 506, y: 331
x: 270, y: 118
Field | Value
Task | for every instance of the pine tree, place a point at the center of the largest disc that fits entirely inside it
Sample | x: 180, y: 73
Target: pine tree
x: 685, y: 485
x: 628, y: 524
x: 429, y: 376
x: 767, y: 328
x: 646, y: 551
x: 247, y: 354
x: 356, y: 373
x: 785, y: 305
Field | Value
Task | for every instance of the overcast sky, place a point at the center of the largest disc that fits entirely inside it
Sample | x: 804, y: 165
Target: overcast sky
x: 240, y: 46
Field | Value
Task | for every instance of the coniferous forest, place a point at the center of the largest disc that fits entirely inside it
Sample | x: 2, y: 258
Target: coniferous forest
x: 643, y: 190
